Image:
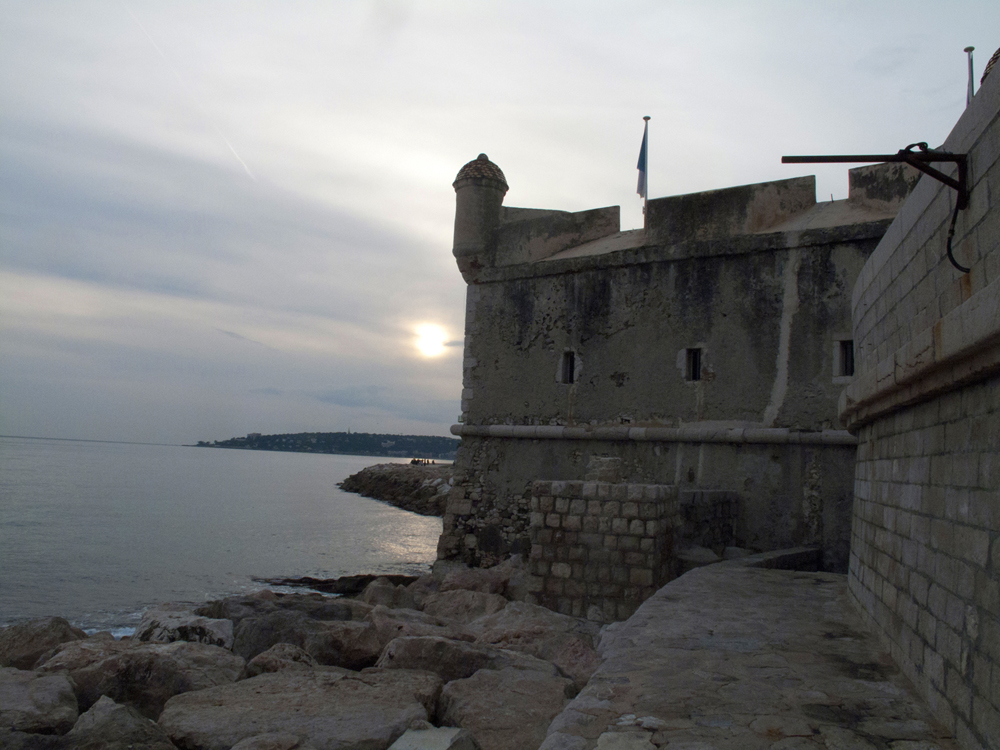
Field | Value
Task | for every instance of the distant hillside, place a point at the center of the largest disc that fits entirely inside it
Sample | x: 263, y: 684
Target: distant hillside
x: 350, y: 443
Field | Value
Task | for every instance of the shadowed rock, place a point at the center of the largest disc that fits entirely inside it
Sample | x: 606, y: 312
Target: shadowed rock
x: 454, y: 660
x: 144, y: 675
x: 108, y: 726
x: 33, y: 702
x: 507, y: 709
x: 463, y: 606
x: 177, y: 622
x: 397, y: 623
x: 21, y: 645
x: 330, y: 710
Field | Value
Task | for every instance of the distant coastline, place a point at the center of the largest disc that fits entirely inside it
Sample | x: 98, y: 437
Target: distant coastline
x: 346, y: 444
x: 90, y: 440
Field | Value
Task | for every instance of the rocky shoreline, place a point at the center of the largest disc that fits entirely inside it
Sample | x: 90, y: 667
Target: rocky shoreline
x: 420, y: 488
x: 457, y: 648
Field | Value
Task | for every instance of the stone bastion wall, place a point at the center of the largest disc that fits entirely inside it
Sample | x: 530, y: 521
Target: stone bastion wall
x: 925, y: 546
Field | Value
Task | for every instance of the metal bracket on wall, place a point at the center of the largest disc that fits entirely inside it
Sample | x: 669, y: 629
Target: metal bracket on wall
x: 920, y: 159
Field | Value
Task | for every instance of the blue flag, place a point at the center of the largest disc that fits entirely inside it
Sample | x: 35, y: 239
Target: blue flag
x: 641, y: 188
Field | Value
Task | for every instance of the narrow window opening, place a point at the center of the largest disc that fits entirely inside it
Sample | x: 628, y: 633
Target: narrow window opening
x: 693, y: 371
x: 568, y: 369
x: 846, y: 358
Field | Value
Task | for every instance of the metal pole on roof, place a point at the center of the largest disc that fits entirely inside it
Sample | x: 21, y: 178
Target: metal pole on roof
x: 970, y: 93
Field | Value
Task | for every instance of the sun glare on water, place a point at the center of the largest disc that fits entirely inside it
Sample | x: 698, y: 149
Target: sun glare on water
x: 431, y: 339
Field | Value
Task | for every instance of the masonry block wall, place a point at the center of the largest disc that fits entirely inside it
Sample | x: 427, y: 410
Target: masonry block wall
x: 601, y: 544
x: 925, y: 548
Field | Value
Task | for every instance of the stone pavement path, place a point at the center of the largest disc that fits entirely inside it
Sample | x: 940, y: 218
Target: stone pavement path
x: 731, y: 656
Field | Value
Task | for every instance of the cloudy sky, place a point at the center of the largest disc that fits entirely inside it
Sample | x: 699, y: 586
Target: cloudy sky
x: 223, y: 217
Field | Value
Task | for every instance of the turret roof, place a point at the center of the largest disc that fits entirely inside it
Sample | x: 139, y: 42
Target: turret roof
x: 482, y: 167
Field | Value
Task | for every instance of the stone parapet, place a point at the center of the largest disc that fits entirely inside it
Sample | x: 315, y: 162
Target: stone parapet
x: 690, y: 434
x: 602, y: 544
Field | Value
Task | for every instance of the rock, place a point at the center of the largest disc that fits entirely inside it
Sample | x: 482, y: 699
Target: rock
x: 454, y: 660
x: 77, y: 654
x: 22, y: 645
x: 274, y: 741
x: 277, y: 658
x: 382, y: 591
x: 11, y: 740
x: 145, y: 675
x: 177, y: 622
x: 486, y: 580
x: 108, y: 726
x: 567, y: 642
x: 313, y: 606
x: 595, y: 614
x: 33, y: 702
x: 735, y: 553
x: 463, y: 606
x: 421, y: 489
x: 349, y: 644
x: 399, y: 623
x: 423, y: 587
x: 515, y: 574
x: 436, y: 738
x: 506, y: 709
x: 256, y: 634
x: 329, y: 710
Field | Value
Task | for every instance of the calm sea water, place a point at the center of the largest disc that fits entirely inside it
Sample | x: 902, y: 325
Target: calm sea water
x: 95, y: 532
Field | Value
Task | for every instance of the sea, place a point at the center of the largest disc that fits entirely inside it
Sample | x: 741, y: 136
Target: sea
x: 96, y: 532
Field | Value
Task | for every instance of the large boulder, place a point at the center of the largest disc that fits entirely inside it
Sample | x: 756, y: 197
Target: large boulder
x: 108, y: 726
x: 313, y: 606
x: 435, y: 738
x: 331, y: 710
x: 73, y: 655
x: 279, y: 657
x: 145, y: 675
x: 382, y: 591
x: 12, y: 740
x: 177, y: 622
x: 454, y: 660
x: 507, y: 709
x: 568, y: 642
x: 340, y: 643
x: 21, y: 645
x: 33, y: 702
x: 274, y: 741
x: 398, y: 623
x: 486, y: 580
x: 461, y: 605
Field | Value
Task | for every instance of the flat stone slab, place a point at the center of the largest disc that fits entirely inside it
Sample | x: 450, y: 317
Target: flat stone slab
x: 734, y: 657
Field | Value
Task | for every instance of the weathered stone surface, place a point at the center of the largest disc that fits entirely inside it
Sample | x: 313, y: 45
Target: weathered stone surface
x: 21, y: 645
x: 382, y: 591
x: 274, y: 741
x: 279, y: 657
x: 109, y: 726
x: 33, y: 702
x: 76, y: 654
x: 11, y: 740
x: 339, y: 643
x: 486, y: 580
x: 178, y: 622
x: 313, y: 606
x: 568, y: 642
x: 397, y: 623
x: 423, y: 587
x: 507, y: 709
x: 732, y: 657
x: 461, y: 605
x: 329, y: 710
x: 417, y: 488
x: 436, y: 738
x: 454, y: 660
x: 145, y: 675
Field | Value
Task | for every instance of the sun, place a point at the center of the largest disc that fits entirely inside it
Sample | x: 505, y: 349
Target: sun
x: 431, y: 339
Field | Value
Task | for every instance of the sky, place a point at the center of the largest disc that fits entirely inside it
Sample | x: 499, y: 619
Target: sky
x: 228, y: 217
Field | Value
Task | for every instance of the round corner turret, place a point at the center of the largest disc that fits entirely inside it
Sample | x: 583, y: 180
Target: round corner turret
x: 479, y: 191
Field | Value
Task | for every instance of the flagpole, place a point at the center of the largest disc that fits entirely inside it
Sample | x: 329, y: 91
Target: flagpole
x: 645, y: 198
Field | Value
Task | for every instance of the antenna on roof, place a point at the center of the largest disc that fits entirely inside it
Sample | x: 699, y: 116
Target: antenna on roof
x: 970, y: 93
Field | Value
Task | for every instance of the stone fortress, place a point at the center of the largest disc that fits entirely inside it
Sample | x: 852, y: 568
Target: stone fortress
x: 628, y: 394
